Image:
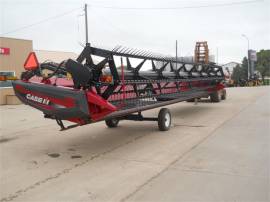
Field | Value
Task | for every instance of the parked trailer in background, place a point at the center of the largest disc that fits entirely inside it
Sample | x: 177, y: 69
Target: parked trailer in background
x: 111, y: 92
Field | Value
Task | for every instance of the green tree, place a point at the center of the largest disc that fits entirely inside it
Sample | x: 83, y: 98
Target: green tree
x: 238, y: 73
x: 244, y: 68
x: 263, y: 63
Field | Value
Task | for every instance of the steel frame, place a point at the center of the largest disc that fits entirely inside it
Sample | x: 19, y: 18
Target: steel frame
x: 210, y: 73
x: 130, y: 91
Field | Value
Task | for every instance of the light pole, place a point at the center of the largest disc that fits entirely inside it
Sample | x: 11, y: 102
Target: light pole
x: 243, y: 35
x: 217, y: 55
x: 86, y: 24
x: 176, y: 49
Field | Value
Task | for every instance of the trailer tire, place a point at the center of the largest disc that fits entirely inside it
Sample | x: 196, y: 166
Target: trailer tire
x: 215, y: 96
x: 112, y: 123
x: 224, y: 94
x: 191, y: 100
x: 164, y: 119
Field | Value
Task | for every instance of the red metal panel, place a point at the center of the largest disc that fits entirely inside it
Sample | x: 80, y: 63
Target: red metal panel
x: 98, y: 107
x: 4, y: 51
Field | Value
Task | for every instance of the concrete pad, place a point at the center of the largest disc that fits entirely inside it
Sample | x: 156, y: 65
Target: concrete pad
x: 94, y: 163
x: 177, y: 185
x: 230, y: 165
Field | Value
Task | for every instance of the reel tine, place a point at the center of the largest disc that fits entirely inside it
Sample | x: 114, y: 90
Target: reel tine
x: 140, y: 53
x: 143, y: 53
x: 147, y: 54
x: 133, y: 51
x: 136, y: 53
x: 124, y: 50
x: 150, y: 55
x: 117, y: 48
x: 113, y: 50
x: 129, y: 51
x: 121, y: 50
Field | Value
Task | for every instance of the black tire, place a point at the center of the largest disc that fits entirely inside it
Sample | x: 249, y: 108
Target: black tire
x: 112, y: 123
x: 191, y: 100
x: 224, y: 95
x: 164, y: 119
x: 215, y: 96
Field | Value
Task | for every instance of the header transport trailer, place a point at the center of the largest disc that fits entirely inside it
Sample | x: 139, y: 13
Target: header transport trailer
x: 84, y: 91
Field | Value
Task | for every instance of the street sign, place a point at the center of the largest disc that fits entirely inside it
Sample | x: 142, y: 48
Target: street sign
x: 252, y: 55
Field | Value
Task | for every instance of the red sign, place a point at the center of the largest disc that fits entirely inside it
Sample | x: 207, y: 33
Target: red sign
x: 31, y: 62
x: 4, y: 51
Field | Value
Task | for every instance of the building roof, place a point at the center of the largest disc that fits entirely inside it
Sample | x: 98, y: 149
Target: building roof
x: 10, y: 38
x: 231, y: 63
x: 55, y: 56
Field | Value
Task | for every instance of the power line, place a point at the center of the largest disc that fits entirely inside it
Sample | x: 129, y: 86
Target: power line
x: 178, y: 8
x: 132, y: 8
x: 41, y: 21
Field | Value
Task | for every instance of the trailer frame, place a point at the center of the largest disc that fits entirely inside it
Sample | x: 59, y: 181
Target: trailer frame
x: 90, y: 98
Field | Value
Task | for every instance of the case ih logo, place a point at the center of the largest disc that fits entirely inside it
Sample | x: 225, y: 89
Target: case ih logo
x: 38, y: 99
x: 4, y: 51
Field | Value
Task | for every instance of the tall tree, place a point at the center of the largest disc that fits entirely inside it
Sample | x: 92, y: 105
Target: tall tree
x: 239, y: 74
x: 244, y: 68
x: 263, y: 63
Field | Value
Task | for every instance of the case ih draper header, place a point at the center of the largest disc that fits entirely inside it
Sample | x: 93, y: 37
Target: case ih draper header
x: 103, y: 91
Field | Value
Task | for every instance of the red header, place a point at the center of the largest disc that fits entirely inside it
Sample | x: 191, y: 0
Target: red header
x: 4, y: 51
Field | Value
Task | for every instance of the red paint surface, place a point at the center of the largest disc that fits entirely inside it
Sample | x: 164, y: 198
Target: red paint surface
x: 4, y: 51
x: 31, y: 63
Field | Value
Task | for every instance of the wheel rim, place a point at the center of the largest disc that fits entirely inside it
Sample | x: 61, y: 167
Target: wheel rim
x: 167, y: 120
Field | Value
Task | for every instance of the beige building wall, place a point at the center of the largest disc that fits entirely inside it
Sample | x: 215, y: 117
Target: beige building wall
x: 55, y: 56
x: 19, y: 50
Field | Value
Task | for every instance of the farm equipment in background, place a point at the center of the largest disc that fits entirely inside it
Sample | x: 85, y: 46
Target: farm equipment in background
x: 84, y: 91
x: 201, y: 53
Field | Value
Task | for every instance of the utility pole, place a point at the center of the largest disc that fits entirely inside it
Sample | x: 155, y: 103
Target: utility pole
x: 86, y: 24
x: 176, y: 45
x: 217, y: 56
x: 243, y: 35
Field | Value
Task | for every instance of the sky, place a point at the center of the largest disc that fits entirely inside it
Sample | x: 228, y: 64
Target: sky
x: 152, y: 25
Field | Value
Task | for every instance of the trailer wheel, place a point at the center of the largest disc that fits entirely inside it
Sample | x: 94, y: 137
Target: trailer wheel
x: 191, y: 100
x: 215, y: 96
x: 164, y: 119
x: 224, y: 94
x: 112, y: 123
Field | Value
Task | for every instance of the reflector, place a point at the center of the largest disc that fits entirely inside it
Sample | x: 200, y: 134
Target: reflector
x: 31, y: 62
x: 3, y: 78
x: 107, y: 79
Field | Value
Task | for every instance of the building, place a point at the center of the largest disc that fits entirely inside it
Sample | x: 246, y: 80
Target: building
x: 229, y: 67
x: 55, y: 56
x: 13, y: 53
x: 12, y: 57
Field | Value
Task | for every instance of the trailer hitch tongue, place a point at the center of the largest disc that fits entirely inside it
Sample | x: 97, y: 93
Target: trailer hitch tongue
x: 62, y: 126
